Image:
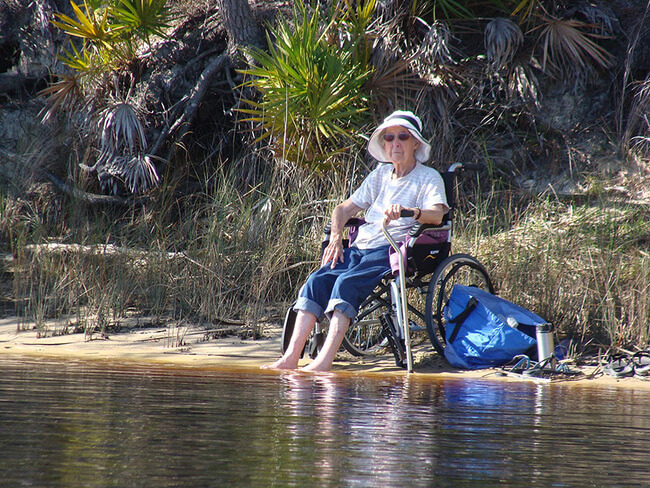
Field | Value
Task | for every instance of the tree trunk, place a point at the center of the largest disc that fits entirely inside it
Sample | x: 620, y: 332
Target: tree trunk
x: 238, y: 21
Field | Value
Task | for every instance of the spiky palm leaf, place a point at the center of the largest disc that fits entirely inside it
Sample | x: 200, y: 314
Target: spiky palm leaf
x: 122, y: 157
x: 523, y: 84
x: 312, y: 91
x: 66, y: 93
x: 143, y: 17
x: 503, y: 38
x: 92, y: 24
x: 600, y: 17
x: 139, y: 174
x: 568, y: 49
x: 122, y: 131
x: 436, y: 46
x: 525, y: 8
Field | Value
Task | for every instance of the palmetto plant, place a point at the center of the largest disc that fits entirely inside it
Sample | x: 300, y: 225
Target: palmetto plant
x: 66, y: 92
x: 108, y: 30
x: 107, y: 35
x: 91, y: 24
x: 436, y: 46
x: 122, y: 156
x: 503, y: 38
x: 311, y: 86
x: 143, y: 18
x: 569, y: 50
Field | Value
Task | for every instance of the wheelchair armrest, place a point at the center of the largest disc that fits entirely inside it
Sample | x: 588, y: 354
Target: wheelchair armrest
x: 418, y: 229
x: 353, y: 222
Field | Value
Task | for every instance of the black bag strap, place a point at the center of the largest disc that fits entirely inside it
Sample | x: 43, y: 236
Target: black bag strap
x: 460, y: 318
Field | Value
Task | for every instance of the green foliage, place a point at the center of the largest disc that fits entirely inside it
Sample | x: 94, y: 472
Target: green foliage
x: 143, y: 17
x: 109, y: 34
x: 92, y: 24
x: 108, y: 30
x: 525, y: 8
x: 312, y: 84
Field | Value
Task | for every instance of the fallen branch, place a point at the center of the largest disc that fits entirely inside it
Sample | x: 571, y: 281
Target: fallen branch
x: 93, y: 198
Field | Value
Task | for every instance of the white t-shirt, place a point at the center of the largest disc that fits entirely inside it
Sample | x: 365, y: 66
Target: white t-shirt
x: 423, y: 187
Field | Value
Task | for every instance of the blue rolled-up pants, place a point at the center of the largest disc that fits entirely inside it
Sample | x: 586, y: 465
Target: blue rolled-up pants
x: 346, y: 286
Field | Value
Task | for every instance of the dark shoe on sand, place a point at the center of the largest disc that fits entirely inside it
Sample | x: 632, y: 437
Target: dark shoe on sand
x: 619, y: 367
x: 641, y: 363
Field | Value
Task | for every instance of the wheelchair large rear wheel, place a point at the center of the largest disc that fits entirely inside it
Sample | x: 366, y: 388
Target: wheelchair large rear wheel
x: 457, y: 269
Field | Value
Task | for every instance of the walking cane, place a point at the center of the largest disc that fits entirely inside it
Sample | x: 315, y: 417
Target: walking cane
x: 402, y: 290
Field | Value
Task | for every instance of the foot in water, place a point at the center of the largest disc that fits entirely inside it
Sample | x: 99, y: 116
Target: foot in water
x: 316, y: 366
x: 282, y: 363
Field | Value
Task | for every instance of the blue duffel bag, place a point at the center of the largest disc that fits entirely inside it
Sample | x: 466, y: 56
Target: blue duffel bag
x: 484, y: 330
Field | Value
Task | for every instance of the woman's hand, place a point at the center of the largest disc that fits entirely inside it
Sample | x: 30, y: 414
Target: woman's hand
x: 393, y: 212
x: 333, y: 252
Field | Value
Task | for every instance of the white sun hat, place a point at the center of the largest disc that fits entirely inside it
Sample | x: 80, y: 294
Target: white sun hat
x: 402, y: 118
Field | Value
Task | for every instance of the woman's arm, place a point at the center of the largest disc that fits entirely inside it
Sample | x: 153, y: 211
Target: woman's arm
x: 423, y: 215
x: 341, y: 214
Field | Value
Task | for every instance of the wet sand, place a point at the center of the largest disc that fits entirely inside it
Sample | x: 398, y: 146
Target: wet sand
x: 191, y: 347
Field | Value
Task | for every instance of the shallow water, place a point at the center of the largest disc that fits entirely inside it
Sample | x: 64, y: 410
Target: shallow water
x: 87, y: 424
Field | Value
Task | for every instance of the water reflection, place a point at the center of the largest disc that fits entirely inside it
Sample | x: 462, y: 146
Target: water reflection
x: 63, y: 424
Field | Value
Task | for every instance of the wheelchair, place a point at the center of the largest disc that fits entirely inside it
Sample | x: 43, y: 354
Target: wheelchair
x: 430, y: 272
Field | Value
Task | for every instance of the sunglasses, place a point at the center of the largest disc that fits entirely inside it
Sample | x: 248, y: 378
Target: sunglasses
x: 402, y: 136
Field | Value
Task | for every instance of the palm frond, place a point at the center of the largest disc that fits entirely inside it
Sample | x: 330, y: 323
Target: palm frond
x: 143, y: 17
x: 92, y: 24
x: 436, y: 46
x: 523, y: 84
x: 122, y: 130
x: 139, y: 174
x: 568, y: 49
x: 525, y: 9
x: 599, y: 17
x: 312, y: 89
x: 65, y: 93
x: 503, y: 38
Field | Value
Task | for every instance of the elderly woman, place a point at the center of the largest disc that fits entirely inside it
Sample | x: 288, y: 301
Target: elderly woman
x: 348, y: 276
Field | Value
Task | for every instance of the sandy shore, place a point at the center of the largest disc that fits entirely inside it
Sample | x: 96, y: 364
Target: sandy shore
x: 192, y: 347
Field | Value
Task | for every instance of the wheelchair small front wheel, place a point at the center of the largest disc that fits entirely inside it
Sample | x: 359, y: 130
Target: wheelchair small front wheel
x: 314, y: 341
x: 365, y: 335
x: 457, y: 269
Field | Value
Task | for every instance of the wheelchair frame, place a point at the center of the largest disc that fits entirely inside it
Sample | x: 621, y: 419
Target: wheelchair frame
x: 385, y: 318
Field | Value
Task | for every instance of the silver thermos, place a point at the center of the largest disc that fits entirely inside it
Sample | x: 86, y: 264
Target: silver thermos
x: 545, y: 346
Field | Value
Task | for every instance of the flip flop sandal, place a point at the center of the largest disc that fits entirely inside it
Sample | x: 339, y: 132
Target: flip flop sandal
x: 619, y: 367
x: 641, y: 363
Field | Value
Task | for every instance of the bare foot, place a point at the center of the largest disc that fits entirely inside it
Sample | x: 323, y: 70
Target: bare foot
x: 281, y: 363
x: 314, y: 367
